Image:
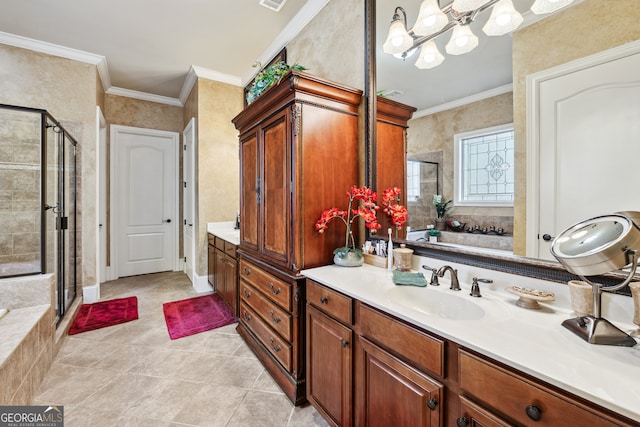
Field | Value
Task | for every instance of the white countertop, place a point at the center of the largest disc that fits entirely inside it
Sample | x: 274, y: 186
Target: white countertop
x: 532, y: 341
x: 225, y: 231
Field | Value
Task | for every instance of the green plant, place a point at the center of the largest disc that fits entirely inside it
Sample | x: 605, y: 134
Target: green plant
x: 442, y: 206
x: 269, y: 77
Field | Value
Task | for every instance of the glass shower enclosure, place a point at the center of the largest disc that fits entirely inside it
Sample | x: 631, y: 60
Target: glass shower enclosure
x: 39, y: 193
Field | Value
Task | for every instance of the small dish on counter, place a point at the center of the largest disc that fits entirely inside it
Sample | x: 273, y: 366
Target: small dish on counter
x: 529, y: 297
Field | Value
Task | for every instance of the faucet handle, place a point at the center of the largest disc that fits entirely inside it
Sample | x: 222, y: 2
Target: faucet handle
x: 434, y: 275
x: 475, y: 287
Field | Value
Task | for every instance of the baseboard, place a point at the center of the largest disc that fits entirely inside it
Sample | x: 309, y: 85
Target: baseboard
x: 91, y: 293
x: 201, y: 283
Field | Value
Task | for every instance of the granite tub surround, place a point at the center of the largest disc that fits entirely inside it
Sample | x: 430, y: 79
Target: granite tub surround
x: 225, y: 231
x: 27, y: 334
x: 531, y: 341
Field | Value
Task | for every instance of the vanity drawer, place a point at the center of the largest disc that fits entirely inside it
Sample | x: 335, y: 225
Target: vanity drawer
x: 329, y: 301
x: 230, y: 249
x: 424, y: 351
x: 273, y: 315
x: 516, y: 396
x: 274, y: 288
x: 219, y: 243
x: 280, y: 349
x: 211, y: 239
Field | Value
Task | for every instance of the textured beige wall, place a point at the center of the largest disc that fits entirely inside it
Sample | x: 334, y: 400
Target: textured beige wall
x: 331, y: 46
x: 584, y: 29
x: 435, y: 133
x: 218, y: 169
x: 67, y: 89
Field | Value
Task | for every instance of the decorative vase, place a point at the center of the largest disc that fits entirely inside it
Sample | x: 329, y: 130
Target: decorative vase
x: 440, y: 224
x: 351, y: 259
x: 581, y: 294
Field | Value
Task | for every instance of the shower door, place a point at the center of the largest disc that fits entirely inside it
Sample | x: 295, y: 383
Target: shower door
x: 60, y: 213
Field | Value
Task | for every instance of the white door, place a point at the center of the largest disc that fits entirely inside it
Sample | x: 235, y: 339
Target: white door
x: 589, y: 145
x: 146, y: 202
x: 188, y: 197
x: 102, y: 197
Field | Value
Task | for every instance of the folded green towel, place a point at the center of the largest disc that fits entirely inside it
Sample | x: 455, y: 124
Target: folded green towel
x: 408, y: 278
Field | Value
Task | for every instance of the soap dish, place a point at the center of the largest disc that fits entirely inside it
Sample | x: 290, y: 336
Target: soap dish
x: 529, y: 297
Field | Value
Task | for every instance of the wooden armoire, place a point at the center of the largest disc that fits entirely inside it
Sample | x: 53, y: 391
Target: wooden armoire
x: 299, y: 156
x: 391, y: 153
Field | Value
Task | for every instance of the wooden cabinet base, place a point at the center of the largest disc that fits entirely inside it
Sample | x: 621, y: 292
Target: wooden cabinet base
x: 293, y: 387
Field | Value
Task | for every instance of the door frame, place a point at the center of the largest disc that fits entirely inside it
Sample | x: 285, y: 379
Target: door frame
x: 115, y: 130
x: 533, y: 82
x: 188, y: 176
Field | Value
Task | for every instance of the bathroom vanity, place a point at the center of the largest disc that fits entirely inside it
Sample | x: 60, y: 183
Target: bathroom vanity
x: 381, y: 354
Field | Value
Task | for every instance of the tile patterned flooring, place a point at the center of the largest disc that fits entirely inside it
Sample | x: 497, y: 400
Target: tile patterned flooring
x: 134, y: 375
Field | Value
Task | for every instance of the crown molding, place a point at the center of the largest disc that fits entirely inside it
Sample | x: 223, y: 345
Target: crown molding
x: 500, y: 90
x: 292, y: 29
x: 144, y: 96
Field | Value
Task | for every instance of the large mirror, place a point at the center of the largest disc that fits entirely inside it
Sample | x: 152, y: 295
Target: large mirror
x: 494, y: 85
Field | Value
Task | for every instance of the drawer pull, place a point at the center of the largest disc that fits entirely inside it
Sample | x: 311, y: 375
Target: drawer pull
x: 324, y: 300
x: 246, y: 316
x: 246, y: 271
x: 276, y: 348
x: 273, y: 318
x: 432, y: 404
x: 246, y: 293
x: 534, y: 412
x: 462, y: 422
x: 274, y: 290
x: 345, y: 343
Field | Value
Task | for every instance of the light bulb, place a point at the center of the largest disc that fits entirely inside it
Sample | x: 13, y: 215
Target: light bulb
x: 429, y: 56
x: 430, y: 19
x: 462, y: 41
x: 504, y: 19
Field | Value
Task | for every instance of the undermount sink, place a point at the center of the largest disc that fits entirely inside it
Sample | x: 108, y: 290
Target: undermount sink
x: 454, y: 306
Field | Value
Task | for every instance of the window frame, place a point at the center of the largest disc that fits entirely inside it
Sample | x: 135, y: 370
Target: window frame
x: 458, y: 182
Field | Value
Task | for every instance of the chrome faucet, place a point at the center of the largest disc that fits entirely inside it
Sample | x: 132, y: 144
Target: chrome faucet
x: 455, y: 285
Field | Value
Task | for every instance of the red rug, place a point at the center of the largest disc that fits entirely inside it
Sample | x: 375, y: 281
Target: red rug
x: 194, y: 315
x: 104, y: 313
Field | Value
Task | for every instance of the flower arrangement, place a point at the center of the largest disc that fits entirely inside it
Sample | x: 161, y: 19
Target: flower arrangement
x: 269, y: 77
x: 442, y: 206
x: 392, y: 207
x: 362, y: 204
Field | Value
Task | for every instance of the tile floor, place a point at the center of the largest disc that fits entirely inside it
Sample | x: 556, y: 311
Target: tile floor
x: 134, y: 375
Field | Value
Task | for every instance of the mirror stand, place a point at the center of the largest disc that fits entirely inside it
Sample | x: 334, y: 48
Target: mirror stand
x: 596, y: 329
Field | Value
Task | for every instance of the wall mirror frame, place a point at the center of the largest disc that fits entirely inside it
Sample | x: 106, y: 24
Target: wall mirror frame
x: 515, y: 264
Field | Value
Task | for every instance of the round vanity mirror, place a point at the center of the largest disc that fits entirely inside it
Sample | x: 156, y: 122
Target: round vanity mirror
x: 598, y: 245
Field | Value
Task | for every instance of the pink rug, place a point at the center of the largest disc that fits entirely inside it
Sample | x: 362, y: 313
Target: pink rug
x: 104, y: 313
x: 194, y: 315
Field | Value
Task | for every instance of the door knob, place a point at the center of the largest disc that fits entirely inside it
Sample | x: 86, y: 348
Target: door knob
x: 547, y: 237
x: 167, y: 220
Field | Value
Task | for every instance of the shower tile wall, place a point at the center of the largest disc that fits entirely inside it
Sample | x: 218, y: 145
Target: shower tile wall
x: 19, y: 193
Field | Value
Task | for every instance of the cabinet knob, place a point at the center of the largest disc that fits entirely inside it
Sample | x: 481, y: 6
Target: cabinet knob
x: 345, y: 343
x: 246, y: 293
x: 246, y: 316
x: 324, y: 300
x: 462, y: 422
x: 534, y: 412
x: 274, y: 290
x: 246, y: 271
x: 432, y: 404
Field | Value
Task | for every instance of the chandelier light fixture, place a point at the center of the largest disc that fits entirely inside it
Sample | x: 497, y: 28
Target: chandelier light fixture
x: 433, y: 21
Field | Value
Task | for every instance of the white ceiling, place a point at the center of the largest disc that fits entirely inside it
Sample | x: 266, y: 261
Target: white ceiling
x: 150, y: 45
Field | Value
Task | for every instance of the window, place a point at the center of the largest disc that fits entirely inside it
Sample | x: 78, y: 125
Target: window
x: 484, y: 174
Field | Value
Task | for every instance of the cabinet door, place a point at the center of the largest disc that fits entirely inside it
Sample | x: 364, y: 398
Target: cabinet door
x: 329, y: 349
x: 211, y: 264
x: 218, y: 272
x: 249, y: 192
x: 231, y: 283
x: 476, y: 416
x: 276, y: 185
x: 394, y: 393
